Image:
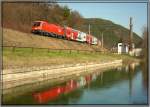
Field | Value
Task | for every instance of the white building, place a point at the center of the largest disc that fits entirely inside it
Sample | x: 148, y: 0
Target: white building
x: 123, y: 48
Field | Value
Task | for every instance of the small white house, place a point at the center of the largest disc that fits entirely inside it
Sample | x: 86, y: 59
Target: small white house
x: 123, y: 48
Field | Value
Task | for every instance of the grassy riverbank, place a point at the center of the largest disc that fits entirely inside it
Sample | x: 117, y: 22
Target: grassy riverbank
x: 41, y: 57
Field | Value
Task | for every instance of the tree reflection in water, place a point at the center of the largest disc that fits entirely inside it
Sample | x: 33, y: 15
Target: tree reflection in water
x: 144, y: 67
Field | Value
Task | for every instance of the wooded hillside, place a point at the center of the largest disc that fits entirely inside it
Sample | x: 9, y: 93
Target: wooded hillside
x: 19, y: 16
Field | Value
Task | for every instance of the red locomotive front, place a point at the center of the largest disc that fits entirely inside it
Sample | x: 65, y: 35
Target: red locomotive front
x: 44, y: 28
x: 37, y: 26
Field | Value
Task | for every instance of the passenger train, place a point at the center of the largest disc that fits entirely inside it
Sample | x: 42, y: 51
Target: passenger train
x: 53, y: 30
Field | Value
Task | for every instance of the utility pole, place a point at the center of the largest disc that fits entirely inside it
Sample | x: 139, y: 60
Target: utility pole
x: 130, y: 35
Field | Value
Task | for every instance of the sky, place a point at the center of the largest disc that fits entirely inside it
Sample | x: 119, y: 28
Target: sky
x: 118, y: 13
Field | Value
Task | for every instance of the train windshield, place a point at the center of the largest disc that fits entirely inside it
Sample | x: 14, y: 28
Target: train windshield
x: 36, y: 23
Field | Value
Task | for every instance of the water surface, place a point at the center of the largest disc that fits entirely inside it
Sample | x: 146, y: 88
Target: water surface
x: 121, y: 85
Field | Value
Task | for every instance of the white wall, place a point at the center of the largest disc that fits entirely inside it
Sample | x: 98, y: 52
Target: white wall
x: 123, y: 48
x: 119, y: 48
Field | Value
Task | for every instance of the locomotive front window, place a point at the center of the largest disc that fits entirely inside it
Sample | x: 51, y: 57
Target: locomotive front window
x: 36, y: 24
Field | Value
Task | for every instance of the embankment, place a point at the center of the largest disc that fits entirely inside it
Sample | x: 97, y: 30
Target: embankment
x: 23, y: 77
x: 20, y: 39
x: 40, y: 57
x: 29, y: 57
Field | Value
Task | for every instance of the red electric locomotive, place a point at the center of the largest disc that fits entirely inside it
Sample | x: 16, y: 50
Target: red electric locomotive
x: 44, y: 28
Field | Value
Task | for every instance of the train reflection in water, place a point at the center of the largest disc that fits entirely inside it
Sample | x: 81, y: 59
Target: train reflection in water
x: 54, y: 93
x: 71, y: 85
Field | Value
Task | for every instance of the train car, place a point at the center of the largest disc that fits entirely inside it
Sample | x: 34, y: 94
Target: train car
x: 81, y: 37
x: 74, y: 34
x: 94, y: 40
x: 68, y: 33
x: 44, y: 28
x: 89, y: 39
x: 71, y: 34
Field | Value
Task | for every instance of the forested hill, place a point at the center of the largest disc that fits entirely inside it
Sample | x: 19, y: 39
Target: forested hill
x: 19, y: 16
x: 112, y: 33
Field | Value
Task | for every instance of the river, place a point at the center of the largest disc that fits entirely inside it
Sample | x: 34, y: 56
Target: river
x: 126, y: 84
